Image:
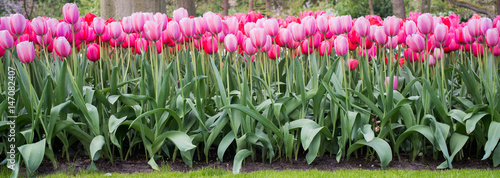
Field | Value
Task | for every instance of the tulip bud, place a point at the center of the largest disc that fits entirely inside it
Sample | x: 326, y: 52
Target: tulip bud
x: 25, y: 51
x: 71, y: 13
x: 62, y: 47
x: 352, y: 64
x: 6, y: 40
x: 93, y: 52
x: 230, y: 43
x: 395, y: 82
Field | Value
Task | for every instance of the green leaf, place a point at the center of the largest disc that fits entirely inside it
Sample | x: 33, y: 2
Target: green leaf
x: 180, y: 139
x: 367, y: 132
x: 470, y: 124
x: 238, y: 159
x: 33, y: 155
x: 314, y: 148
x: 380, y: 146
x: 224, y: 144
x: 457, y: 142
x: 493, y: 137
x: 95, y: 146
x: 264, y: 121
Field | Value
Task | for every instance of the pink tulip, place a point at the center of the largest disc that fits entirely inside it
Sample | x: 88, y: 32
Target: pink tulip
x: 392, y: 42
x: 77, y: 26
x: 258, y: 37
x: 99, y: 25
x: 248, y: 27
x: 425, y: 23
x: 52, y: 26
x: 44, y: 40
x: 71, y: 13
x: 248, y: 47
x: 153, y: 30
x: 437, y: 54
x: 474, y: 27
x: 179, y: 14
x: 410, y: 27
x: 127, y: 25
x: 285, y: 36
x: 162, y: 19
x: 325, y: 48
x: 187, y: 27
x: 214, y: 23
x: 309, y: 24
x: 492, y: 37
x: 352, y: 64
x: 268, y: 44
x: 322, y: 24
x: 346, y: 23
x: 230, y: 26
x: 38, y: 26
x: 391, y: 26
x: 17, y: 24
x: 293, y: 44
x: 410, y: 55
x: 141, y: 45
x: 401, y: 36
x: 394, y: 82
x: 362, y: 27
x: 341, y: 45
x: 2, y: 52
x: 93, y: 52
x: 138, y: 21
x: 298, y: 31
x: 274, y: 52
x: 64, y: 29
x: 26, y: 51
x: 441, y: 33
x: 467, y: 37
x: 260, y: 22
x: 62, y: 47
x: 91, y: 36
x: 230, y: 43
x: 272, y: 27
x: 305, y: 47
x: 432, y: 61
x: 494, y: 50
x: 200, y: 25
x: 380, y: 36
x: 416, y: 42
x: 335, y: 25
x: 475, y: 47
x: 6, y: 40
x: 173, y: 30
x: 209, y: 44
x: 486, y: 24
x: 115, y: 30
x: 240, y: 37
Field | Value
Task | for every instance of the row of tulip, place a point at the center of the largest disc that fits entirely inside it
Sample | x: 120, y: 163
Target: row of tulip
x: 316, y: 84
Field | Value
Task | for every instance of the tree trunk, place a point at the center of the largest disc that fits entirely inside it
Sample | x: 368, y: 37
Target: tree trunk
x: 250, y: 5
x: 225, y: 7
x: 189, y: 5
x: 498, y: 7
x: 398, y: 8
x: 370, y: 4
x: 473, y: 6
x: 269, y: 11
x: 425, y: 6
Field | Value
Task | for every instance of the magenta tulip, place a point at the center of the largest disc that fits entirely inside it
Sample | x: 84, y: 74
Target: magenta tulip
x: 6, y: 40
x: 26, y: 51
x: 274, y: 52
x: 17, y: 24
x: 93, y: 52
x: 362, y: 27
x: 230, y: 43
x: 173, y: 30
x: 394, y: 82
x: 416, y: 42
x: 115, y: 30
x: 99, y: 25
x: 425, y: 23
x: 258, y: 37
x: 141, y: 45
x: 467, y: 37
x: 2, y: 52
x: 322, y: 23
x: 441, y: 33
x: 410, y: 27
x: 248, y: 47
x: 391, y: 26
x: 352, y: 64
x: 325, y: 48
x: 179, y: 14
x: 335, y: 25
x: 492, y: 37
x: 209, y: 44
x: 39, y: 26
x: 346, y: 23
x: 138, y: 21
x: 71, y: 13
x: 272, y: 27
x: 341, y: 45
x: 64, y: 29
x: 62, y: 47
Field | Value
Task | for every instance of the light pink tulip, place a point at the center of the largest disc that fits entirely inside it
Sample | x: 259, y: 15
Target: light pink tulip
x: 71, y: 13
x: 62, y: 47
x: 362, y: 27
x: 26, y: 51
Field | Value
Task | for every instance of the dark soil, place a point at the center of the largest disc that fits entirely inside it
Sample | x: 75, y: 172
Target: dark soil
x: 327, y: 163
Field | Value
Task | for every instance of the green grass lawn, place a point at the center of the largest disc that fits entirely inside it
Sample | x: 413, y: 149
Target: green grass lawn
x: 291, y: 173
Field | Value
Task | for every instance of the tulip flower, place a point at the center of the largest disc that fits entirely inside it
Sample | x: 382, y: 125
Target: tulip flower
x: 153, y: 30
x: 362, y: 27
x: 298, y: 31
x: 44, y: 40
x: 230, y: 26
x: 305, y: 47
x: 475, y: 49
x: 309, y: 24
x: 230, y: 43
x: 62, y: 47
x: 346, y: 23
x: 71, y: 13
x: 267, y: 46
x: 173, y: 30
x: 141, y: 45
x: 441, y: 33
x: 17, y: 24
x: 391, y: 26
x: 200, y: 25
x: 394, y: 82
x: 138, y: 21
x: 410, y: 28
x: 99, y: 25
x: 494, y: 50
x: 380, y: 36
x: 258, y: 37
x: 115, y: 30
x: 425, y: 23
x: 322, y: 24
x: 293, y: 44
x: 2, y: 52
x: 325, y: 48
x: 64, y: 29
x: 272, y: 28
x: 214, y: 23
x: 274, y: 52
x: 416, y: 42
x: 248, y: 27
x: 474, y: 27
x: 93, y: 52
x: 6, y: 40
x: 432, y: 61
x: 187, y: 27
x: 127, y: 25
x: 25, y: 51
x: 179, y: 14
x: 248, y: 47
x: 39, y: 26
x: 352, y: 64
x: 437, y: 54
x: 335, y: 25
x: 209, y: 44
x: 285, y: 36
x: 486, y: 24
x: 341, y: 45
x: 491, y: 37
